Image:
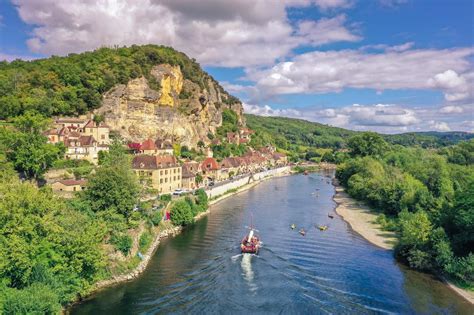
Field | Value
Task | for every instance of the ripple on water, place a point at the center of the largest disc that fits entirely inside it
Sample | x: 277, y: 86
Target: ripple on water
x: 202, y: 271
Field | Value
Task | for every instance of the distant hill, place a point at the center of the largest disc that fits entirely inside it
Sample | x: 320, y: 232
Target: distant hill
x: 306, y: 133
x: 298, y: 131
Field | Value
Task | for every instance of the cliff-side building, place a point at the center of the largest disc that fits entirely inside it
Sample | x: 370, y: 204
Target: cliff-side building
x: 160, y: 172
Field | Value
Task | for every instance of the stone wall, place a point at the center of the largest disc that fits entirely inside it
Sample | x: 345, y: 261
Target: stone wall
x: 221, y: 189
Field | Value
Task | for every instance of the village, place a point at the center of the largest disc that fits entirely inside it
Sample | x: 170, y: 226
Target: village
x: 154, y: 161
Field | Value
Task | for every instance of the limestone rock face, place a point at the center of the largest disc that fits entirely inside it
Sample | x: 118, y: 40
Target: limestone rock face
x: 180, y: 110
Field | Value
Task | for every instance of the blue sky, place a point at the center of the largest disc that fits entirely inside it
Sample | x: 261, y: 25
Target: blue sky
x: 385, y: 65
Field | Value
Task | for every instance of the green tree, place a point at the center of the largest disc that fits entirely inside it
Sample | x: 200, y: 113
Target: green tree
x: 113, y: 187
x: 181, y: 213
x: 367, y: 144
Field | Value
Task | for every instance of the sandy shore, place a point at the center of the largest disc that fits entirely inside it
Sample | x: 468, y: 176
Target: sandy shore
x: 362, y: 220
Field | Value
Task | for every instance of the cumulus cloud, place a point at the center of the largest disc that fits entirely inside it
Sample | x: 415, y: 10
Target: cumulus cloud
x: 451, y: 109
x: 322, y: 4
x: 269, y: 111
x: 331, y: 71
x: 223, y: 33
x: 326, y: 30
x: 439, y: 126
x: 455, y: 86
x: 386, y: 118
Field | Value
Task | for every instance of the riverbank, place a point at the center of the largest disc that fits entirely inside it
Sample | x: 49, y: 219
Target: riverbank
x: 363, y: 221
x: 173, y: 231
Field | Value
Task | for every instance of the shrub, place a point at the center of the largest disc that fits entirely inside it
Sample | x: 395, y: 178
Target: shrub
x: 202, y: 199
x: 145, y: 241
x: 165, y: 197
x: 181, y: 213
x: 35, y: 299
x: 122, y: 242
x: 156, y: 218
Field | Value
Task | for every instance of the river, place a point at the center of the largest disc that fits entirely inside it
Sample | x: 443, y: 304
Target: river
x: 336, y: 271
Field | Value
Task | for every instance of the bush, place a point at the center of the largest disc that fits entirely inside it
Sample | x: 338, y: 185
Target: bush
x: 166, y: 197
x: 202, y: 198
x: 181, y: 213
x: 145, y: 241
x: 122, y: 242
x: 156, y: 218
x: 35, y: 299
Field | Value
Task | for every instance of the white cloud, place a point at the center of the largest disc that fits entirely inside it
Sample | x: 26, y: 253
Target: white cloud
x: 269, y: 111
x: 455, y: 86
x: 322, y: 4
x: 380, y: 115
x: 439, y: 126
x: 447, y: 70
x: 385, y: 118
x: 223, y: 33
x: 451, y: 109
x: 326, y: 30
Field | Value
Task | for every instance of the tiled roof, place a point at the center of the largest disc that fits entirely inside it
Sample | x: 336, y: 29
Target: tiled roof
x: 209, y: 164
x: 69, y: 120
x: 153, y: 162
x: 134, y: 145
x: 83, y: 141
x: 73, y: 182
x: 148, y: 145
x: 187, y: 173
x: 230, y: 162
x: 92, y: 124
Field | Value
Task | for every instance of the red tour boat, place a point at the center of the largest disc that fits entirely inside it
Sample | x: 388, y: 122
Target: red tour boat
x: 251, y: 242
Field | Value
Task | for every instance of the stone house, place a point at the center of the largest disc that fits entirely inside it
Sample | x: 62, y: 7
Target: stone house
x: 160, y: 172
x: 100, y: 132
x: 68, y: 187
x: 231, y: 165
x: 79, y: 147
x: 210, y: 169
x: 157, y: 147
x: 82, y: 138
x: 280, y: 158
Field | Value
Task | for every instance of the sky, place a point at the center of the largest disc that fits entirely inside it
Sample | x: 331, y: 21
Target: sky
x: 385, y: 65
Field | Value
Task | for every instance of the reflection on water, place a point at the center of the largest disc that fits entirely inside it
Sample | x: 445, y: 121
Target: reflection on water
x: 336, y: 271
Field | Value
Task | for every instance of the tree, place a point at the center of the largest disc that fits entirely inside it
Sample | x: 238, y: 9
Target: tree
x: 27, y: 148
x: 415, y: 232
x: 368, y: 143
x: 113, y: 188
x: 199, y: 179
x: 31, y: 122
x: 181, y: 213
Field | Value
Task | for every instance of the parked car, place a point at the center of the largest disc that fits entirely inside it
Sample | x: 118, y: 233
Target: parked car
x: 178, y: 192
x: 210, y: 184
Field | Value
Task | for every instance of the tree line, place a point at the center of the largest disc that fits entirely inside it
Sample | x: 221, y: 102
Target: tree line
x: 426, y: 196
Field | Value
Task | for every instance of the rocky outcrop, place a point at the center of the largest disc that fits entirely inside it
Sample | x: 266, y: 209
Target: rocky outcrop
x: 168, y: 106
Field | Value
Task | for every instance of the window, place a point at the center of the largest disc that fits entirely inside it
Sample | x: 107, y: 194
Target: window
x: 166, y: 180
x: 161, y: 180
x: 161, y: 172
x: 166, y: 172
x: 174, y: 177
x: 102, y: 136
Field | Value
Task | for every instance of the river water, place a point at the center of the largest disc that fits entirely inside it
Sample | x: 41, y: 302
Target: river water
x: 336, y: 271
